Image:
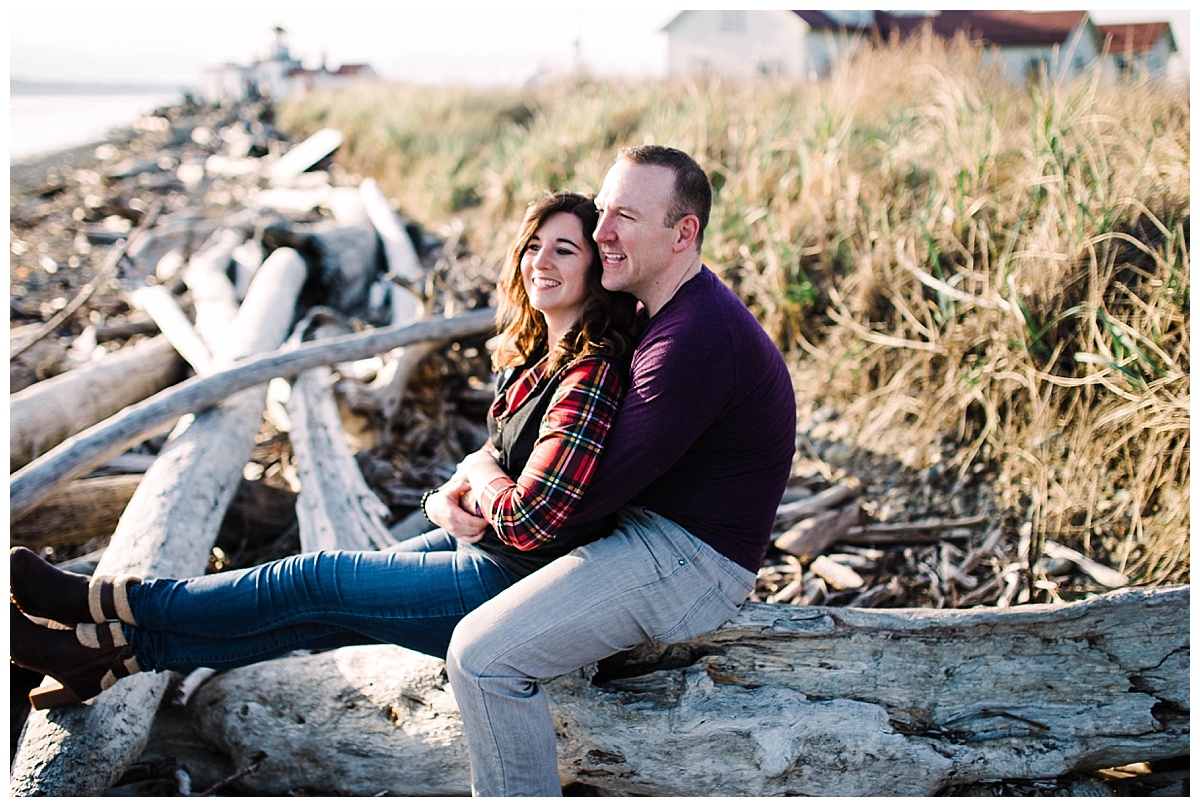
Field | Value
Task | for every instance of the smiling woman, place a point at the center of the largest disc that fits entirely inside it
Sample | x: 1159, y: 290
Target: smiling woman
x: 554, y: 271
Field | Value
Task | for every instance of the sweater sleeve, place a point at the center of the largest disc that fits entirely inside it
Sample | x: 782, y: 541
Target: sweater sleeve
x: 529, y: 512
x: 681, y: 379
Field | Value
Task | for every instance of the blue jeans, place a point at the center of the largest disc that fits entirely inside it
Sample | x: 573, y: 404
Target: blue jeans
x: 412, y: 594
x: 650, y: 579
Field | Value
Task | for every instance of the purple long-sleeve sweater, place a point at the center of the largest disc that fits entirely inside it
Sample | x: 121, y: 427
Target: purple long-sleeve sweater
x: 706, y: 432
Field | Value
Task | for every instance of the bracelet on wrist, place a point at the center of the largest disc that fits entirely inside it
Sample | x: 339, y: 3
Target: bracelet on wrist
x: 425, y: 500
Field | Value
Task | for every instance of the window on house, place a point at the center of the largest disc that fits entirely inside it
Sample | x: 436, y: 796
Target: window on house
x: 772, y: 68
x: 733, y: 21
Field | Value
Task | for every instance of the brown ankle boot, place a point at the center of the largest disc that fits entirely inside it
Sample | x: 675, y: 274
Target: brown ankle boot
x: 84, y: 661
x: 41, y: 589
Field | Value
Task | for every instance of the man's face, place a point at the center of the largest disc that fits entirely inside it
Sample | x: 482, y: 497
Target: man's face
x: 635, y: 243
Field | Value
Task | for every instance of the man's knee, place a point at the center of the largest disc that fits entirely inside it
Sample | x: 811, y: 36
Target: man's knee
x: 475, y: 650
x: 480, y: 662
x: 463, y: 655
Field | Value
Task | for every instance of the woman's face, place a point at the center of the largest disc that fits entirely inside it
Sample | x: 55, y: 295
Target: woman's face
x: 554, y: 269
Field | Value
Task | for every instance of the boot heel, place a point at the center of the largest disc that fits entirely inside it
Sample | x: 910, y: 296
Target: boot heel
x: 52, y: 696
x: 83, y: 661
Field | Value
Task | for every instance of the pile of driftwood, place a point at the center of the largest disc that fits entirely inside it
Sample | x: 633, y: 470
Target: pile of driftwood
x: 266, y: 358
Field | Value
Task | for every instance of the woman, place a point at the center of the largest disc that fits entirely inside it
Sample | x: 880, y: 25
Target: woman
x: 563, y: 354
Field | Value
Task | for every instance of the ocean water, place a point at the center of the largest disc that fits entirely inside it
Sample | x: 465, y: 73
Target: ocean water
x: 45, y: 123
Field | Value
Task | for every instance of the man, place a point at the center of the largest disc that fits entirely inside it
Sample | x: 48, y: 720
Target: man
x: 696, y: 464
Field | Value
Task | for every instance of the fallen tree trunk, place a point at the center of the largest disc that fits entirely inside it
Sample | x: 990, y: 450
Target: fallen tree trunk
x: 81, y: 453
x: 302, y: 156
x: 406, y: 273
x: 91, y: 508
x: 167, y: 531
x: 162, y: 307
x: 336, y: 509
x: 83, y: 510
x: 780, y: 701
x: 43, y: 415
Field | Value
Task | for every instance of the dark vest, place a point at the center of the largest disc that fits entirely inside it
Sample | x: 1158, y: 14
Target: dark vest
x: 514, y: 435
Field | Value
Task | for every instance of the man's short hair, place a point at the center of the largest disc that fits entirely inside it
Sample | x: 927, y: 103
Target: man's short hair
x: 693, y: 192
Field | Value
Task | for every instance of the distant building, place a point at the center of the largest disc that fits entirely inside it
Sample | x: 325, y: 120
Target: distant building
x: 278, y: 76
x: 737, y: 44
x: 1139, y: 46
x: 1028, y: 43
x: 805, y: 45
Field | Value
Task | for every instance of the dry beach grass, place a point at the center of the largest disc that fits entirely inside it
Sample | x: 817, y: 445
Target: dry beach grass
x: 980, y: 279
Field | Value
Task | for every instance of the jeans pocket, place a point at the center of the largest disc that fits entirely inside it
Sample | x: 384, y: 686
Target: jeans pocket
x: 708, y: 613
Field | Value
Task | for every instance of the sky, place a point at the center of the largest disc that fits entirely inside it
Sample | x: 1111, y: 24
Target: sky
x: 136, y: 40
x: 164, y: 42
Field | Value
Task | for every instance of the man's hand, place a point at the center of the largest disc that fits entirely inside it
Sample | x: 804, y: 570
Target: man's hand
x: 445, y: 509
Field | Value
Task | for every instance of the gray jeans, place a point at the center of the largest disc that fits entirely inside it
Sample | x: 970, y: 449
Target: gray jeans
x: 650, y: 579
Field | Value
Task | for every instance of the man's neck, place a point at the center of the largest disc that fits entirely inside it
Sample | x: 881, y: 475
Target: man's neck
x: 671, y: 281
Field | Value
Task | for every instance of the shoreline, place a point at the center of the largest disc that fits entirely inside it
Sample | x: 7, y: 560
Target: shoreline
x: 25, y: 174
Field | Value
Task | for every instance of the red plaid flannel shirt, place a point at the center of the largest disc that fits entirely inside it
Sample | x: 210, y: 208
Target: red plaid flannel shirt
x: 528, y: 513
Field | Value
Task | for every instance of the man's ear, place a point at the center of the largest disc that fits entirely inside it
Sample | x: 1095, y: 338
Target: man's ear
x: 686, y: 230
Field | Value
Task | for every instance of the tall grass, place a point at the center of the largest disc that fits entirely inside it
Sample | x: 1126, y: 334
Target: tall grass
x: 956, y: 256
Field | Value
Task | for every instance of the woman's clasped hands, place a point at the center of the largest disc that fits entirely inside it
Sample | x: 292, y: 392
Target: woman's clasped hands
x: 455, y: 506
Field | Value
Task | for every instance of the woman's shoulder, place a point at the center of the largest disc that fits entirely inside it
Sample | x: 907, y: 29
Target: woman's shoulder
x: 595, y: 369
x: 592, y: 363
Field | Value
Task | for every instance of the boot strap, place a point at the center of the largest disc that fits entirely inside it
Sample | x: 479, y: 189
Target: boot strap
x: 108, y: 598
x: 104, y: 636
x: 119, y: 670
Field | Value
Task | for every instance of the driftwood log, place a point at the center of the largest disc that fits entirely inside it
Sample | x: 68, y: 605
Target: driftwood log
x: 336, y: 509
x: 83, y: 510
x: 161, y: 306
x: 91, y: 508
x: 43, y: 415
x: 302, y: 156
x: 782, y: 700
x: 167, y: 530
x: 83, y: 452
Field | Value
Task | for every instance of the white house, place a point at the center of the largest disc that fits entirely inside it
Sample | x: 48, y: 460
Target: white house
x: 1139, y: 46
x: 277, y: 77
x: 1028, y: 43
x: 806, y: 44
x: 772, y: 43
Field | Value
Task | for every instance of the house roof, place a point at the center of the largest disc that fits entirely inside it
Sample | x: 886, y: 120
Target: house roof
x: 821, y: 21
x: 1136, y: 37
x: 993, y: 27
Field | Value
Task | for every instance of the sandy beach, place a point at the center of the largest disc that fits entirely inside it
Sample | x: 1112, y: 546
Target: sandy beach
x: 27, y: 174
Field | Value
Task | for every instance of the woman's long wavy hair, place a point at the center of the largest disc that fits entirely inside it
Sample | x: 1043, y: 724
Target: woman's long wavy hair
x: 609, y: 322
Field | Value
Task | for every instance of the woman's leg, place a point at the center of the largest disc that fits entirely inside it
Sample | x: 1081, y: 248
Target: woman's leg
x: 314, y: 600
x: 649, y: 580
